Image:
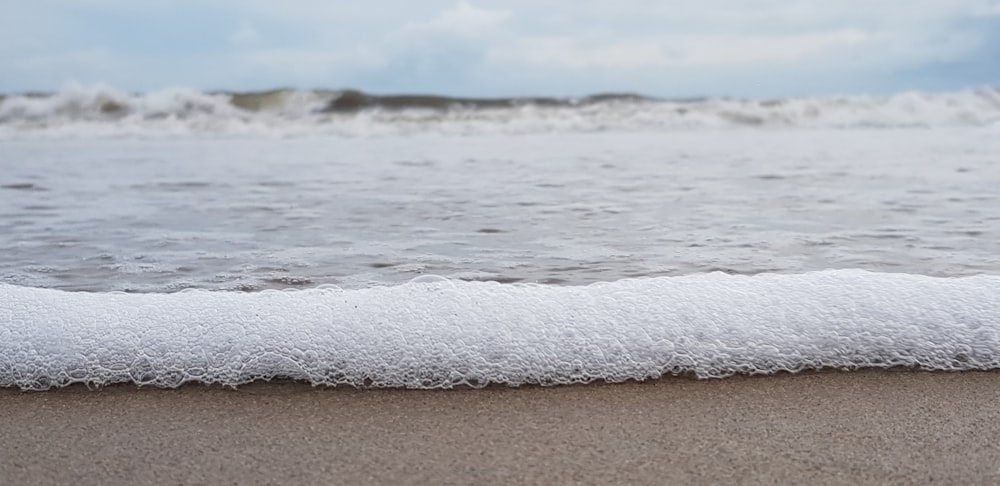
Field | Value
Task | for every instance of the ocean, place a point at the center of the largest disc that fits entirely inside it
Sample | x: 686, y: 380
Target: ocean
x: 345, y: 238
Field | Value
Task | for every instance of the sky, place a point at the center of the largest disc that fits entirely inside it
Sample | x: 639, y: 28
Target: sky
x: 740, y: 48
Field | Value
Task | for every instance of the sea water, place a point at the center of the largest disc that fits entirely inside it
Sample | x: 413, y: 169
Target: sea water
x: 422, y: 242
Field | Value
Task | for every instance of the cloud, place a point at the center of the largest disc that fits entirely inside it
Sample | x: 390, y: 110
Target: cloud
x: 245, y: 35
x: 673, y: 51
x: 569, y: 53
x: 463, y: 19
x: 499, y: 47
x: 986, y: 8
x: 727, y: 50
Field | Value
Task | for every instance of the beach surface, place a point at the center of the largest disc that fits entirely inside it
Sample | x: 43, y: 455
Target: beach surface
x: 867, y: 427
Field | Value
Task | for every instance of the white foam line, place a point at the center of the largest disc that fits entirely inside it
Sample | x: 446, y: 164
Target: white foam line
x: 444, y: 334
x: 102, y: 111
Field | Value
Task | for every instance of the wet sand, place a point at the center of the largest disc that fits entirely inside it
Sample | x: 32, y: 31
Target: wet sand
x: 866, y: 427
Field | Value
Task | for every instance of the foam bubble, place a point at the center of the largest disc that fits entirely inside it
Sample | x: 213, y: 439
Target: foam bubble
x: 422, y: 335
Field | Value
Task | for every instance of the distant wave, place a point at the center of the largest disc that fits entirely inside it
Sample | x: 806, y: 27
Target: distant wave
x: 103, y: 111
x: 442, y: 334
x: 352, y: 101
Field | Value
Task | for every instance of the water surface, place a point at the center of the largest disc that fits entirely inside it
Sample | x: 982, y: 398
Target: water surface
x: 245, y: 213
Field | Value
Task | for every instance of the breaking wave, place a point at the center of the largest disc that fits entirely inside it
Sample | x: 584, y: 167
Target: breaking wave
x: 442, y: 334
x: 104, y: 111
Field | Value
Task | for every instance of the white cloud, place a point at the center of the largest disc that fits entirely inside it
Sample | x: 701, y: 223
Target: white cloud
x: 673, y: 51
x: 245, y: 35
x: 464, y: 19
x: 490, y: 46
x: 985, y: 8
x: 567, y: 52
x: 723, y: 50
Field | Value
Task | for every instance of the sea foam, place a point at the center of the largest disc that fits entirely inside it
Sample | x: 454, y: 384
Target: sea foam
x: 442, y: 334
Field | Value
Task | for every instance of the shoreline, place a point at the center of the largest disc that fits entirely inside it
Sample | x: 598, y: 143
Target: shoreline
x: 829, y: 427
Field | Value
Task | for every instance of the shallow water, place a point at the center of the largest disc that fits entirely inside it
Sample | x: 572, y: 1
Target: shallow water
x: 160, y: 215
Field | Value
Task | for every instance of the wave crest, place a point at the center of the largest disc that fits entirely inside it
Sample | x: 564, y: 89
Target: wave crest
x: 97, y: 111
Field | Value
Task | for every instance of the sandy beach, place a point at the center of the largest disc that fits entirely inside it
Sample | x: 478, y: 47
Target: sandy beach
x: 870, y: 427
